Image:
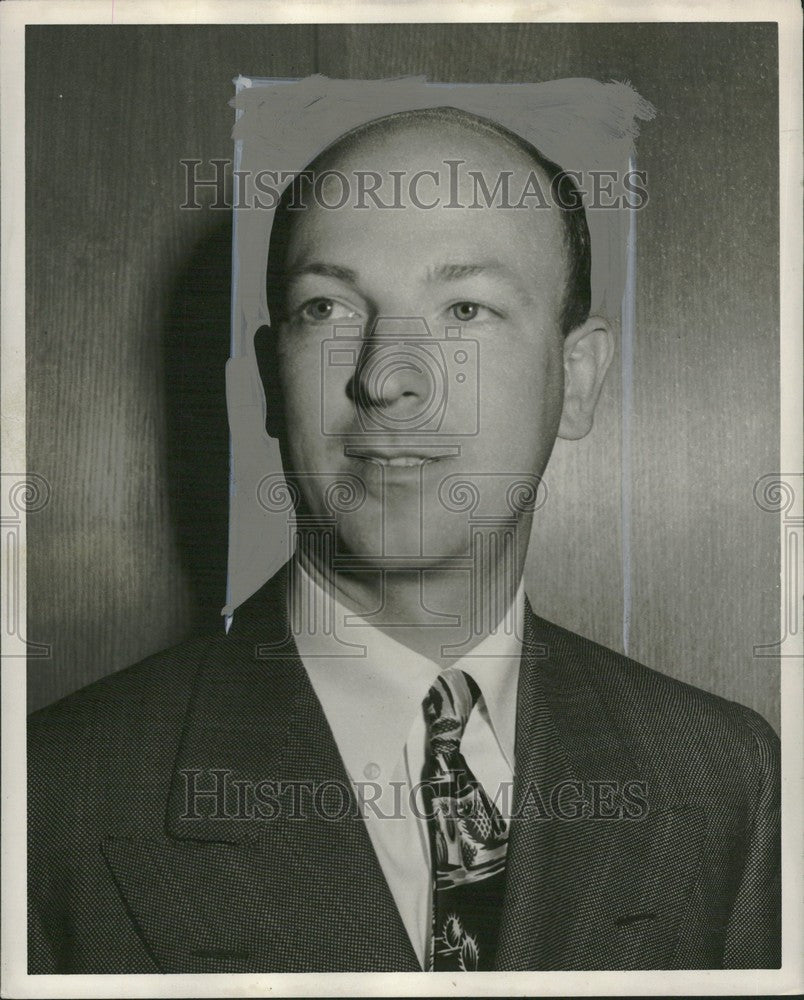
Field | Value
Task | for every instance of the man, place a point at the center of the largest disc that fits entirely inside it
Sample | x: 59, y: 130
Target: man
x: 390, y: 763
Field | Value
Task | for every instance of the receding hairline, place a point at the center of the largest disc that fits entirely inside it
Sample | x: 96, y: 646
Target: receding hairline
x: 351, y: 143
x: 396, y: 123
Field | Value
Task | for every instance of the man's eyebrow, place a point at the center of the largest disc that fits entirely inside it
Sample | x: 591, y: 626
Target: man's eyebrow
x: 454, y: 272
x: 436, y: 272
x: 323, y: 270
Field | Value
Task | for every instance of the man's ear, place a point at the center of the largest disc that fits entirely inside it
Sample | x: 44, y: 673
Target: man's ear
x: 588, y: 351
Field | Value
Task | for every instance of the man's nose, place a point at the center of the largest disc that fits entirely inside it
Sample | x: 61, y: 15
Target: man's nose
x: 396, y: 375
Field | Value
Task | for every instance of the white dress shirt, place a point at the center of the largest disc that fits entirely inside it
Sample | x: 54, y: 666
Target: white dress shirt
x: 371, y: 688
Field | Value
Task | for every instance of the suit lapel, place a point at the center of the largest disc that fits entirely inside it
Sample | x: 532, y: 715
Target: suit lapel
x: 232, y: 889
x: 585, y: 891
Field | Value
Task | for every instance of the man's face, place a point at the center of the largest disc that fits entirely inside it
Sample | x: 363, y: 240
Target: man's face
x: 406, y: 417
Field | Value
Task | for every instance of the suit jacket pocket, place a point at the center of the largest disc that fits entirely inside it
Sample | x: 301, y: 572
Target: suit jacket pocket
x: 601, y: 894
x: 193, y: 924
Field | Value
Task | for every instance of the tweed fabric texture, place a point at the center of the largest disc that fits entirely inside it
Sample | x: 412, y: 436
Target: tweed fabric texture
x: 192, y: 814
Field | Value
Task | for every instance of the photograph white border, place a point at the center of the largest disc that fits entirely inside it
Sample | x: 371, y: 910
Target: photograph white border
x: 14, y: 16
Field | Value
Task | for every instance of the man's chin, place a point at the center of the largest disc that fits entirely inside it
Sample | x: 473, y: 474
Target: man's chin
x: 399, y: 550
x: 401, y: 564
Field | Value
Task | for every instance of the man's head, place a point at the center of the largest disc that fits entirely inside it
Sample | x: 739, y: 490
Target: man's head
x: 512, y: 357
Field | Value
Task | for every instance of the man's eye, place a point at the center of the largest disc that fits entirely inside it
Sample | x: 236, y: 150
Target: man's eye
x: 321, y: 310
x: 464, y: 311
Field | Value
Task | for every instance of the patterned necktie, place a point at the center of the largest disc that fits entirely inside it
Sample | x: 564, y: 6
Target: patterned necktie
x: 468, y: 836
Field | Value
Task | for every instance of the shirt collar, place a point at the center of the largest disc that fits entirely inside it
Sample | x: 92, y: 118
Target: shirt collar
x: 372, y: 687
x: 494, y: 665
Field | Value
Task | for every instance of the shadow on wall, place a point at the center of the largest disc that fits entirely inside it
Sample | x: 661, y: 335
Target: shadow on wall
x: 196, y: 348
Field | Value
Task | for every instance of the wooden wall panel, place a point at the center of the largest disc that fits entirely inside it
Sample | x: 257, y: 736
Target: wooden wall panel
x: 128, y: 300
x: 127, y: 335
x: 706, y: 420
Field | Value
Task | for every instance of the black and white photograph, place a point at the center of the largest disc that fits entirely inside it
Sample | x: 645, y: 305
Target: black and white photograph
x: 402, y: 500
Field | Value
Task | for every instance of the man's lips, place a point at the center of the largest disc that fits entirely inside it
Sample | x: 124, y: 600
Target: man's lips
x: 403, y: 456
x: 398, y: 461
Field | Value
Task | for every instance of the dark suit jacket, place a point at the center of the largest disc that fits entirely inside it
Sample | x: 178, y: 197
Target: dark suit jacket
x: 123, y: 877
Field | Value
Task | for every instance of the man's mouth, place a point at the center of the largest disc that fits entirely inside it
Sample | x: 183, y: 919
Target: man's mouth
x: 403, y: 461
x: 399, y: 456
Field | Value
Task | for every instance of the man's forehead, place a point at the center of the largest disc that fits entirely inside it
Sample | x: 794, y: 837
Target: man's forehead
x: 447, y: 243
x: 399, y: 141
x: 448, y: 177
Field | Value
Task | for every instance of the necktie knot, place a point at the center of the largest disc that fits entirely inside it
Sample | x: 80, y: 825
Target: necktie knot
x: 447, y: 708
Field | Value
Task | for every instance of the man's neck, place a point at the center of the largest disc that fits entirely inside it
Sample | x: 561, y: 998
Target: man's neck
x: 439, y: 612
